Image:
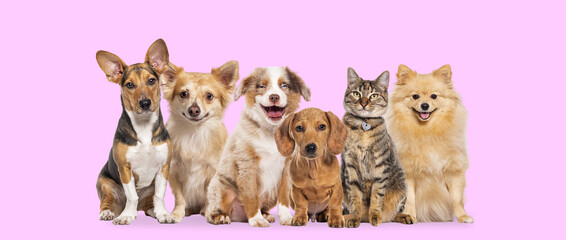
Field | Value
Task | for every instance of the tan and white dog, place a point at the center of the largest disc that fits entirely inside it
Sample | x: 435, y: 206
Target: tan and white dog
x: 197, y: 103
x: 250, y: 179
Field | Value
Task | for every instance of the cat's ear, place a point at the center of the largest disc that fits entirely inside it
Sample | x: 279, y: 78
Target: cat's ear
x: 383, y: 80
x: 352, y: 76
x: 404, y: 74
x: 284, y: 138
x: 338, y: 133
x: 444, y: 73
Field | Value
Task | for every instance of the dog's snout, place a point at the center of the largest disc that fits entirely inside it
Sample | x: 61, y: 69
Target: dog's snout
x: 273, y: 98
x: 145, y: 104
x: 194, y: 110
x: 424, y: 106
x: 310, y: 148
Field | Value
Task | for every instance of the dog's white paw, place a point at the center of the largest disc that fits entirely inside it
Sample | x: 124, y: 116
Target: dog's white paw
x: 465, y: 219
x: 258, y: 221
x: 285, y: 219
x: 165, y: 218
x: 270, y: 218
x: 106, y: 215
x: 124, y: 219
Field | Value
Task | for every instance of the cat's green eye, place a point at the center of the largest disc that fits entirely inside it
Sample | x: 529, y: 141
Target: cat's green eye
x: 374, y: 96
x: 356, y: 94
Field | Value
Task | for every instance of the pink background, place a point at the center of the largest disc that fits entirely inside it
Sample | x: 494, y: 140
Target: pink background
x: 60, y: 113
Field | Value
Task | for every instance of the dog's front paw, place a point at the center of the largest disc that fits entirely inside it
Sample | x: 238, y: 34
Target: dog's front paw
x: 465, y: 219
x: 270, y: 218
x: 375, y: 218
x: 352, y: 221
x: 106, y: 215
x: 299, y: 220
x: 124, y: 219
x: 165, y: 218
x: 217, y: 219
x: 285, y: 219
x: 258, y: 221
x: 336, y: 221
x: 177, y: 217
x: 405, y: 219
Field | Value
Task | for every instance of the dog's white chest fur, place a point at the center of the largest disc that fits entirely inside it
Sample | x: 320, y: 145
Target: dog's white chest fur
x: 146, y: 159
x: 270, y: 166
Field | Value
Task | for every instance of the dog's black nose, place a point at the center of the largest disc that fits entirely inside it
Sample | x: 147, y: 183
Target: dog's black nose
x: 424, y: 106
x: 273, y: 98
x: 194, y: 110
x: 310, y: 148
x: 145, y: 104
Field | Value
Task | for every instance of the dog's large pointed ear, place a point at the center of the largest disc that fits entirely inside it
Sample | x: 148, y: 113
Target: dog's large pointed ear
x: 444, y: 72
x: 168, y: 79
x: 298, y: 81
x: 338, y: 133
x: 112, y: 66
x: 158, y: 56
x: 284, y: 138
x: 383, y: 80
x: 228, y: 73
x: 352, y: 76
x: 404, y: 74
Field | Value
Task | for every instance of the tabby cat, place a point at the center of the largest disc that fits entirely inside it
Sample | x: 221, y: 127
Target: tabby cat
x: 373, y: 179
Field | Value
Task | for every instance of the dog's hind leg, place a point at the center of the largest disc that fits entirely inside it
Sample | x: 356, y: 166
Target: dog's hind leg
x: 110, y: 202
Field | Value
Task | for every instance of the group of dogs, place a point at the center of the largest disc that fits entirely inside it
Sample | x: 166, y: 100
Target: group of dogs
x: 274, y: 156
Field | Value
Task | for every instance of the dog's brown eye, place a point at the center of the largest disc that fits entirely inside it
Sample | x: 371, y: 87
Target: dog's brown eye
x: 299, y: 129
x: 433, y: 96
x: 184, y: 94
x: 151, y: 81
x: 209, y: 96
x: 130, y: 85
x: 416, y: 96
x: 321, y: 127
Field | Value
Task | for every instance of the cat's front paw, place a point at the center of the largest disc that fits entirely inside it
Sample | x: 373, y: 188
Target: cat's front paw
x: 375, y: 219
x: 405, y: 219
x: 465, y: 219
x: 299, y: 220
x: 352, y: 221
x: 336, y: 221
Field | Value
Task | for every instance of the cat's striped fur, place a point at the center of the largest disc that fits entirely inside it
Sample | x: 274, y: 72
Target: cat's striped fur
x: 373, y: 179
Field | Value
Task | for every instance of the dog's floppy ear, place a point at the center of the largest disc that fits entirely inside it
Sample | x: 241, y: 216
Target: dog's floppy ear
x: 444, y: 72
x: 295, y: 79
x: 338, y: 133
x: 227, y: 73
x: 283, y: 138
x: 352, y: 76
x: 404, y: 74
x: 112, y: 66
x: 158, y: 56
x: 383, y: 80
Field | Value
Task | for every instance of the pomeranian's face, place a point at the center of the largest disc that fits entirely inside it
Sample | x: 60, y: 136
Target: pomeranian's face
x: 197, y: 97
x: 424, y: 96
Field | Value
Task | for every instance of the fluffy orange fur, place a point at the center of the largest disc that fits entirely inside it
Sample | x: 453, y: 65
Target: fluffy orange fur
x: 433, y: 152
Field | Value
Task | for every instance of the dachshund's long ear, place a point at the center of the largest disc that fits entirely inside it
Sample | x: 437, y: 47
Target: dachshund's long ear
x: 284, y: 139
x: 338, y: 133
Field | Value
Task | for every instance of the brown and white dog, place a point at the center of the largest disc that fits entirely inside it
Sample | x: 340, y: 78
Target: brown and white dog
x: 135, y: 175
x: 197, y: 104
x: 249, y: 180
x: 311, y: 139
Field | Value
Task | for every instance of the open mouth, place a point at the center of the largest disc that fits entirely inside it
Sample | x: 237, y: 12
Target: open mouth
x: 274, y: 113
x: 424, y: 116
x: 194, y: 119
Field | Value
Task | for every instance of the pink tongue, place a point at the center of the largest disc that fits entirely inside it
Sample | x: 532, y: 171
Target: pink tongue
x: 275, y: 114
x: 424, y: 115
